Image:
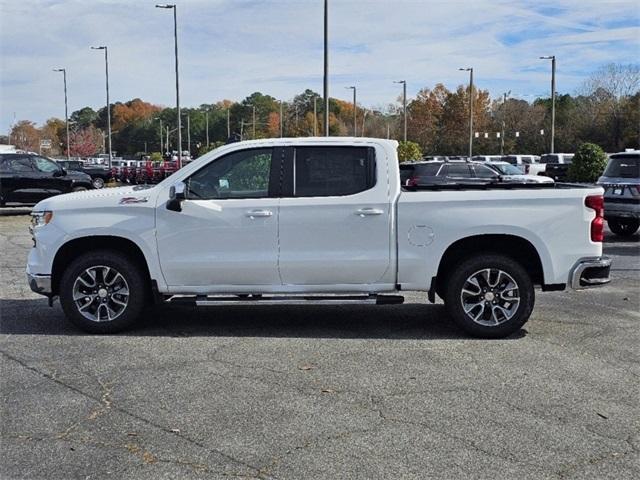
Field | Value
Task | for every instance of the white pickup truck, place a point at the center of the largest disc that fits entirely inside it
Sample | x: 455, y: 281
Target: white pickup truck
x: 314, y: 220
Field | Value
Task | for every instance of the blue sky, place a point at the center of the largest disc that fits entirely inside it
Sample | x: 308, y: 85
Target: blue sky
x: 231, y: 48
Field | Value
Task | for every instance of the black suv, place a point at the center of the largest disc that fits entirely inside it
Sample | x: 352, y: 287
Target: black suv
x: 27, y: 178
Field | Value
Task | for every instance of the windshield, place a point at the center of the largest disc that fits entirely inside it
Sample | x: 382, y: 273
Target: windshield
x: 507, y: 169
x: 623, y: 167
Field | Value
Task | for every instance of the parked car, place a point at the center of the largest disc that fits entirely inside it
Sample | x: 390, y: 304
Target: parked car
x: 621, y: 183
x: 27, y: 178
x: 556, y: 165
x: 487, y: 158
x: 436, y: 172
x: 510, y: 172
x: 529, y: 163
x: 99, y: 174
x: 314, y: 220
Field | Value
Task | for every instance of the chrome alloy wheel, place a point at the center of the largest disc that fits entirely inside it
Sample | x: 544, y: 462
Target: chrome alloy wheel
x: 101, y: 293
x: 490, y: 297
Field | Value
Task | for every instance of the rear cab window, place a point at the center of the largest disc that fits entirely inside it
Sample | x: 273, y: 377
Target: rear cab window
x: 319, y: 171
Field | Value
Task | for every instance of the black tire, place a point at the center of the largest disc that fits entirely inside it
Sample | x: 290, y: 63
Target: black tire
x: 483, y: 327
x: 135, y: 282
x: 78, y: 189
x: 624, y: 227
x: 98, y: 182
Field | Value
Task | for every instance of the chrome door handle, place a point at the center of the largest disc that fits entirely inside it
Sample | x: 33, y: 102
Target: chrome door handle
x: 259, y: 213
x: 369, y: 211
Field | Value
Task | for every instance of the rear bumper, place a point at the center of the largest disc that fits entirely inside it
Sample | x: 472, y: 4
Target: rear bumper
x: 590, y: 272
x: 40, y: 283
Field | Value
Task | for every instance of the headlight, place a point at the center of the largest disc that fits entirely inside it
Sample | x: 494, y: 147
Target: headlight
x: 39, y: 219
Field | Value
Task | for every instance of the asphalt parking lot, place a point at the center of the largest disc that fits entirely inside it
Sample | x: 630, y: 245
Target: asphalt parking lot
x: 332, y: 392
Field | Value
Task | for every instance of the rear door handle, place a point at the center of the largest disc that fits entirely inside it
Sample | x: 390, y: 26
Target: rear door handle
x: 259, y: 213
x: 369, y: 211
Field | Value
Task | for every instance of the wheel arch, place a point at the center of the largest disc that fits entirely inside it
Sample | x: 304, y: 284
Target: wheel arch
x: 78, y: 246
x: 513, y: 246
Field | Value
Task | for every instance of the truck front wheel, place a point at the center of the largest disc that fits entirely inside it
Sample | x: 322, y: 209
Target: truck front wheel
x: 489, y: 296
x: 102, y: 292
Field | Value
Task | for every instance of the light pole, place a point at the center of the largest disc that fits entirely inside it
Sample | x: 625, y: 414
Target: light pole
x: 470, y: 70
x: 553, y: 98
x: 326, y: 68
x: 281, y: 121
x: 504, y: 114
x: 175, y: 37
x: 106, y: 69
x: 355, y: 128
x: 228, y: 123
x: 404, y: 106
x: 66, y: 110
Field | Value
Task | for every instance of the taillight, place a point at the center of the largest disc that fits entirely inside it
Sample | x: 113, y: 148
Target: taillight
x: 412, y: 182
x: 596, y: 202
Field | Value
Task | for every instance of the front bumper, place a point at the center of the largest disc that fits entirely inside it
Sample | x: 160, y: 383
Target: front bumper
x: 40, y: 283
x: 590, y: 272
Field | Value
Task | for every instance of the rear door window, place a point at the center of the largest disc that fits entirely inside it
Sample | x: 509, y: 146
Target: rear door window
x: 333, y: 171
x: 458, y: 170
x: 18, y: 164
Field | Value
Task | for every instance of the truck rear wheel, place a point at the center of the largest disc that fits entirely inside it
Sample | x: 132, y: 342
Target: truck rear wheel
x: 489, y: 296
x: 624, y: 227
x: 102, y: 292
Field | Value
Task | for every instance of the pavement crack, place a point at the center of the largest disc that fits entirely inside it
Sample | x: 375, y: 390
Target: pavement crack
x: 124, y: 411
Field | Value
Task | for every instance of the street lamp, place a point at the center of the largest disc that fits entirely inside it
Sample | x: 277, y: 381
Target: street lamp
x: 404, y: 105
x: 553, y: 98
x: 66, y: 110
x: 470, y: 70
x: 326, y: 68
x: 281, y: 121
x: 175, y: 37
x: 106, y: 69
x: 504, y: 114
x: 354, y: 109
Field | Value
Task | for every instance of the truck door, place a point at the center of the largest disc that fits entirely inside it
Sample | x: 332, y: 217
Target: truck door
x: 227, y: 231
x: 335, y: 216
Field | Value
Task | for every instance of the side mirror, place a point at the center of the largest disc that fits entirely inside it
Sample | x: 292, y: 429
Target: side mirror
x: 60, y: 173
x: 177, y: 193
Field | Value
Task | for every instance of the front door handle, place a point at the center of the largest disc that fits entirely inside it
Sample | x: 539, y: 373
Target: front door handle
x: 369, y: 211
x: 259, y: 213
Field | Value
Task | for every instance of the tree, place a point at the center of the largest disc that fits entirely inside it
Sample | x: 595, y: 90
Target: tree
x: 25, y: 136
x: 409, y: 151
x: 588, y: 163
x: 84, y: 117
x: 85, y: 142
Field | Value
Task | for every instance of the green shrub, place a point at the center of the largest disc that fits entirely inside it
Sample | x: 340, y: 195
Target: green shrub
x: 588, y: 164
x: 409, y: 151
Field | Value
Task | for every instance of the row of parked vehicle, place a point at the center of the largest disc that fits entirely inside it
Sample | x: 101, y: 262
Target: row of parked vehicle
x: 620, y: 180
